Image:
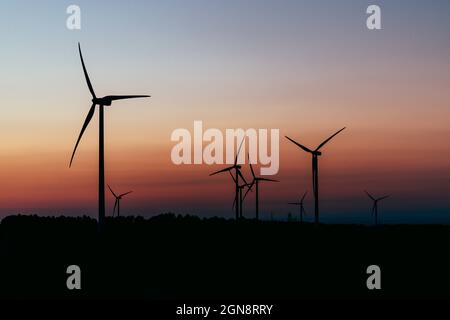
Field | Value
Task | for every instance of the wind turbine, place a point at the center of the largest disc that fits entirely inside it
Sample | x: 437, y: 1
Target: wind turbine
x: 255, y: 182
x: 300, y: 204
x: 315, y: 170
x: 241, y: 199
x: 237, y: 168
x: 118, y: 198
x: 375, y: 205
x: 101, y: 103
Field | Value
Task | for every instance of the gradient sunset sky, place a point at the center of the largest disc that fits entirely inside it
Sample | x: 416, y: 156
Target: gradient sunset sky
x: 307, y: 68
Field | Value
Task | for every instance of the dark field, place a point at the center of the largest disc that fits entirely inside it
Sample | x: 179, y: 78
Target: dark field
x: 169, y: 257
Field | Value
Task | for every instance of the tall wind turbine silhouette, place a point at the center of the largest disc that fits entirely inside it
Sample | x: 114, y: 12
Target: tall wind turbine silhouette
x: 237, y: 168
x: 315, y: 170
x: 375, y: 205
x: 117, y: 202
x: 101, y: 103
x: 300, y: 204
x: 255, y: 182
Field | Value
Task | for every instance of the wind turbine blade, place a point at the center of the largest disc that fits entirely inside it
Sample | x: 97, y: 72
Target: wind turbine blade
x: 249, y: 189
x: 86, y: 123
x: 369, y: 195
x: 234, y: 203
x: 251, y: 167
x: 232, y: 177
x: 88, y: 81
x: 382, y: 198
x: 112, y: 191
x: 269, y: 180
x: 239, y: 150
x: 220, y: 171
x: 299, y: 145
x: 115, y: 205
x: 124, y: 194
x: 303, y: 198
x: 323, y: 143
x: 112, y: 98
x: 240, y: 174
x: 294, y: 203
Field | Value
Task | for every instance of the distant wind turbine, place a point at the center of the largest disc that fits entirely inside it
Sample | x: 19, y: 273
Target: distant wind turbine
x: 255, y: 182
x: 375, y: 205
x: 117, y: 202
x: 300, y: 204
x: 100, y: 102
x: 237, y: 168
x: 315, y: 170
x: 241, y: 198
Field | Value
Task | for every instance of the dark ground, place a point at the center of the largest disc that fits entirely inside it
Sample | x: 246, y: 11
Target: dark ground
x: 169, y: 257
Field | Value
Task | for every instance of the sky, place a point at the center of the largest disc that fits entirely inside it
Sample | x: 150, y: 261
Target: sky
x: 307, y: 68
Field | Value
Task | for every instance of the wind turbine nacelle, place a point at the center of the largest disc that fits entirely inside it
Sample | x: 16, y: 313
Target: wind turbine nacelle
x: 102, y: 102
x: 317, y: 153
